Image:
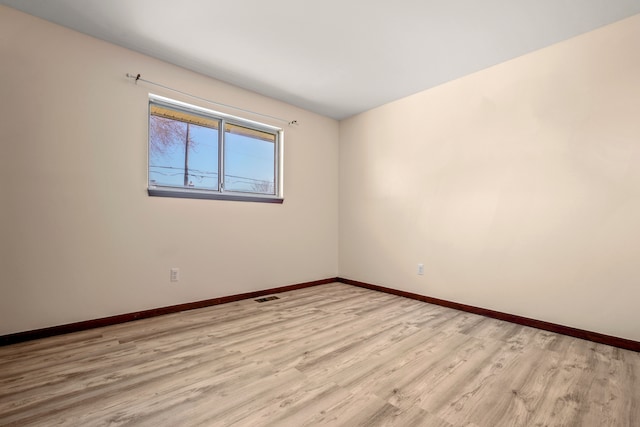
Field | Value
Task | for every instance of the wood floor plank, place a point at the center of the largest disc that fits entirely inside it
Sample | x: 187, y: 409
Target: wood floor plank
x: 327, y: 355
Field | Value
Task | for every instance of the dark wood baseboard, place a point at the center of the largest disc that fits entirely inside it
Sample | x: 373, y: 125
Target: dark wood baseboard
x: 128, y: 317
x: 547, y: 326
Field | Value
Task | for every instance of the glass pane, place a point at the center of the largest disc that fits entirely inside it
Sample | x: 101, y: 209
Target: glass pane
x: 183, y: 116
x: 249, y: 160
x: 182, y: 154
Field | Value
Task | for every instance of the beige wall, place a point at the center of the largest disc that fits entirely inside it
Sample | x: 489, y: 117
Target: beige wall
x: 80, y: 237
x: 518, y: 187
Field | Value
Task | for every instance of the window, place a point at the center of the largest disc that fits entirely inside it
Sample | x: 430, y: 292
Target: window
x: 199, y: 153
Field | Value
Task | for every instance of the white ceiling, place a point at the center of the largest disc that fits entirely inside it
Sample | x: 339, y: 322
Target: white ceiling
x: 336, y: 58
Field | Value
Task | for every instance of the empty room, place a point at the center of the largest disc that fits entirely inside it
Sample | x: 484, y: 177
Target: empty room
x: 356, y: 213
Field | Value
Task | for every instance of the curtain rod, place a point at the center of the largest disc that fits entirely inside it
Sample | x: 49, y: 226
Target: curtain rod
x: 137, y: 77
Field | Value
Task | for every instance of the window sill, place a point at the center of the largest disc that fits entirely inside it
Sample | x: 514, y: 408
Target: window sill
x: 210, y: 195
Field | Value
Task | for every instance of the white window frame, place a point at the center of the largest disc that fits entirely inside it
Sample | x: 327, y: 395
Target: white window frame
x: 221, y: 194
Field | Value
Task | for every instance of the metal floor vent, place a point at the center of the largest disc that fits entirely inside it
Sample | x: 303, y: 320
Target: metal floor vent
x: 267, y: 299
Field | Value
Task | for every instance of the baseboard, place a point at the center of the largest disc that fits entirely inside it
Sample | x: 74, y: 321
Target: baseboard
x: 539, y: 324
x: 128, y: 317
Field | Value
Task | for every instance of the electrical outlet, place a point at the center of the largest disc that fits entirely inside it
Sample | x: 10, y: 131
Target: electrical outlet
x: 420, y: 269
x: 175, y: 274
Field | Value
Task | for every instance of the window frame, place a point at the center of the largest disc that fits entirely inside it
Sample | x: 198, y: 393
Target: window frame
x: 219, y: 194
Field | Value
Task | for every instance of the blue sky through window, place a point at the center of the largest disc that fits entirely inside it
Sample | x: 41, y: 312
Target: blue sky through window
x: 249, y: 162
x: 167, y: 168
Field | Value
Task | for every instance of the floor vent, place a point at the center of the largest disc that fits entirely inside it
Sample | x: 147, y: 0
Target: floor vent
x: 267, y: 299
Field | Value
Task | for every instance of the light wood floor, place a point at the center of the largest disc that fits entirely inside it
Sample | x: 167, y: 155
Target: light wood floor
x: 327, y: 355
